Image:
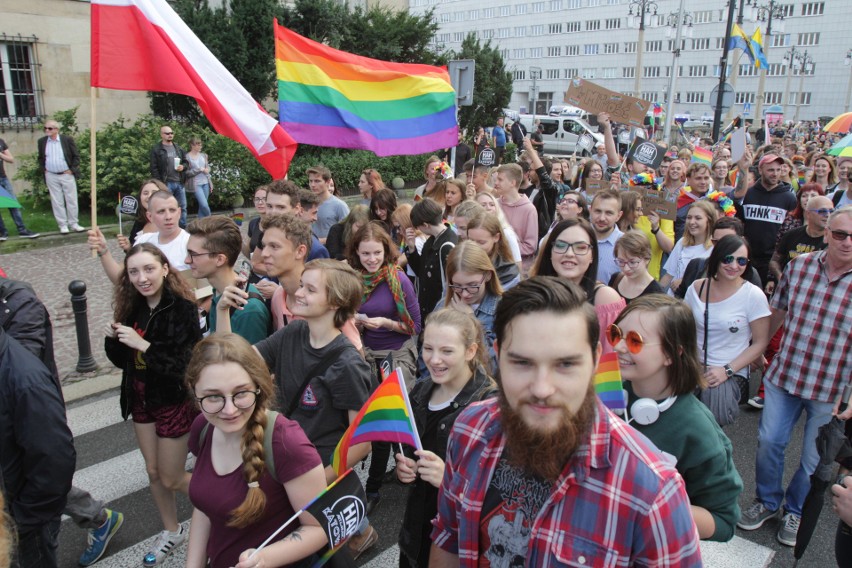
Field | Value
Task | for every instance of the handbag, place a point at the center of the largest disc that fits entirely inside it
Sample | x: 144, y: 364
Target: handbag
x: 723, y: 400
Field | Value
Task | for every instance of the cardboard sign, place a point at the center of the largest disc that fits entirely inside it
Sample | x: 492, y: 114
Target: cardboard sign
x: 595, y: 185
x: 486, y: 157
x: 661, y: 202
x: 129, y: 205
x: 585, y: 142
x: 594, y: 99
x: 646, y: 153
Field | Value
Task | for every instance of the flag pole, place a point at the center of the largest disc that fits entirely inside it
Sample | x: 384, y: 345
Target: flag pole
x: 93, y: 176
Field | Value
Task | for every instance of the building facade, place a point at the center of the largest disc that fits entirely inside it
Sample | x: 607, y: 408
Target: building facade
x: 599, y: 40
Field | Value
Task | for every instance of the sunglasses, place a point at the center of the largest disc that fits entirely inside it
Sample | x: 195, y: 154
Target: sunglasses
x: 741, y: 260
x: 825, y: 212
x: 50, y: 128
x: 633, y: 340
x: 840, y: 235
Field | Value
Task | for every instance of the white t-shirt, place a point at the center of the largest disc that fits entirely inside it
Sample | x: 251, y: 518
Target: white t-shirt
x: 512, y: 241
x: 175, y: 251
x: 729, y: 332
x: 680, y: 257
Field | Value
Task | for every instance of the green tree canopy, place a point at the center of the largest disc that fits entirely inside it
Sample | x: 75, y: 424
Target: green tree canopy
x: 493, y: 88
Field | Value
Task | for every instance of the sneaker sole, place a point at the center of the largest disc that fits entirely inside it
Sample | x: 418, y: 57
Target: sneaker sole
x: 785, y: 542
x: 755, y: 405
x: 757, y: 525
x: 374, y: 538
x: 108, y: 538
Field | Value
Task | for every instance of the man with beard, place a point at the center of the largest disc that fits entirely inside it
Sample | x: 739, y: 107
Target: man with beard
x: 547, y: 462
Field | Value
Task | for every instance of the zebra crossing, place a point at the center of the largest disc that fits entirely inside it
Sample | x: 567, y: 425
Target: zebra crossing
x: 111, y: 468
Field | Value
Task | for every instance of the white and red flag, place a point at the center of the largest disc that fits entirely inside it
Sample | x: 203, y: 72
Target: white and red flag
x: 143, y: 45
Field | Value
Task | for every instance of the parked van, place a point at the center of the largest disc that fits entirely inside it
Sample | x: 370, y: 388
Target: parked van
x: 560, y: 133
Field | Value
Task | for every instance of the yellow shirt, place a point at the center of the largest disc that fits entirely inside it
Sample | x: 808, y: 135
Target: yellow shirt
x: 667, y: 227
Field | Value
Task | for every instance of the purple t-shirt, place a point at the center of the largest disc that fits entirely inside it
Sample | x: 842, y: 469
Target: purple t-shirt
x: 381, y: 304
x: 217, y: 495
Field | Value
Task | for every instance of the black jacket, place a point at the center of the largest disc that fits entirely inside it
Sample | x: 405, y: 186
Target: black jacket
x: 419, y: 512
x: 173, y: 330
x: 36, y: 445
x: 25, y: 318
x: 160, y: 162
x: 69, y: 149
x: 429, y: 266
x: 545, y: 200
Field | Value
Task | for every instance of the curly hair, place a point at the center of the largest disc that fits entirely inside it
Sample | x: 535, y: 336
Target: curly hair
x: 127, y: 300
x: 372, y: 231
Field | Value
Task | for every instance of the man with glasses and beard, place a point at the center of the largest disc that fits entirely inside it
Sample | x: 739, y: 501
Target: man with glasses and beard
x: 545, y: 474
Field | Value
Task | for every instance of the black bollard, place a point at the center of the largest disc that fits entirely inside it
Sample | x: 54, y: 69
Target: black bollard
x: 85, y: 362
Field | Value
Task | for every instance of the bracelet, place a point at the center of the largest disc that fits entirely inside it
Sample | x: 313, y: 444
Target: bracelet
x: 100, y: 254
x: 655, y: 231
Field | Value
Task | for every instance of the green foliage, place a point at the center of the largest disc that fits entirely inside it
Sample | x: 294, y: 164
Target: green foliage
x: 493, y: 88
x: 346, y: 166
x: 325, y: 21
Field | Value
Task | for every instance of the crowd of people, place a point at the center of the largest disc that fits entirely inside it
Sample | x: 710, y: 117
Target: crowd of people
x: 496, y: 293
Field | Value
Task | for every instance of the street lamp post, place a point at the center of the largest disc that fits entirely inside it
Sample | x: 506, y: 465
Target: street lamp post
x: 640, y: 7
x: 723, y: 67
x: 735, y: 72
x: 675, y: 21
x: 807, y: 66
x: 790, y: 59
x: 770, y: 13
x: 848, y: 62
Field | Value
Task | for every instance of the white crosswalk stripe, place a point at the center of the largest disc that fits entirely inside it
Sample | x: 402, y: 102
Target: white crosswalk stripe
x: 94, y: 416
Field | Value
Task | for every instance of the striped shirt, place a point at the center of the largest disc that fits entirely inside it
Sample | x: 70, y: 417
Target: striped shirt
x: 54, y: 157
x: 813, y: 361
x: 616, y: 503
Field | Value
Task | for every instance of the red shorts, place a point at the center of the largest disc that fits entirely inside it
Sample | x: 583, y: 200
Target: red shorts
x: 172, y: 421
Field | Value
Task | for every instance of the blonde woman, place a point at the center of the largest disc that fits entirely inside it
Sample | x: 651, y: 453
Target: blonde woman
x: 695, y: 243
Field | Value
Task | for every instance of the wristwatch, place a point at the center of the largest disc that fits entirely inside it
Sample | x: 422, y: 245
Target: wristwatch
x: 655, y: 231
x: 728, y: 371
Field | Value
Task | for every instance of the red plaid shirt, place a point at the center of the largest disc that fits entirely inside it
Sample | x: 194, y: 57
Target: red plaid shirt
x: 813, y: 361
x: 615, y: 504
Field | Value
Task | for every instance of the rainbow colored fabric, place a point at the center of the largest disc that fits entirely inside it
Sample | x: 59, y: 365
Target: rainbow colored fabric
x: 328, y: 97
x: 385, y: 417
x: 724, y: 202
x: 608, y: 385
x: 702, y: 156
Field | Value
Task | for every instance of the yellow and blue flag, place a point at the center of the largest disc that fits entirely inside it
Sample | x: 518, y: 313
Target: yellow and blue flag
x: 739, y: 40
x: 756, y: 43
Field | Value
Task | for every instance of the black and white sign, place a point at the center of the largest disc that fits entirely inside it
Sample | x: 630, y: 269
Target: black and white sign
x: 129, y: 205
x: 585, y: 142
x: 487, y: 157
x: 647, y: 153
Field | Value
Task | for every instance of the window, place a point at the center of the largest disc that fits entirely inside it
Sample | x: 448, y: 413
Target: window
x: 505, y: 10
x: 594, y: 3
x: 780, y: 40
x: 521, y: 9
x: 628, y: 72
x: 519, y: 75
x: 720, y: 42
x: 552, y: 73
x: 519, y: 53
x: 590, y: 73
x: 612, y: 23
x: 671, y: 45
x: 520, y: 31
x: 443, y: 38
x: 458, y: 16
x: 590, y: 49
x: 649, y: 96
x: 797, y: 69
x: 695, y: 97
x: 538, y: 7
x: 555, y: 5
x: 445, y: 18
x: 504, y: 32
x: 651, y: 72
x: 473, y: 15
x: 486, y: 34
x: 697, y: 70
x: 810, y: 38
x: 458, y: 36
x: 554, y: 51
x: 536, y: 52
x: 593, y: 25
x: 786, y: 10
x: 744, y: 97
x: 813, y: 8
x: 554, y: 28
x: 572, y: 72
x: 747, y: 70
x: 574, y: 4
x: 656, y: 45
x: 703, y: 17
x: 772, y: 98
x: 804, y: 98
x: 572, y: 27
x: 609, y: 73
x: 572, y: 50
x: 537, y: 30
x: 774, y: 70
x: 629, y: 47
x: 701, y: 43
x: 504, y: 53
x: 20, y: 101
x: 610, y: 48
x: 488, y: 13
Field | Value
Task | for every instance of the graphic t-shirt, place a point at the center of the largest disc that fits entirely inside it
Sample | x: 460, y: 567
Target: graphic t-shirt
x: 798, y: 242
x: 512, y: 502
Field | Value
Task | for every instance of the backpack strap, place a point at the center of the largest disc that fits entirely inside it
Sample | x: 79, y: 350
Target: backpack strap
x: 268, y: 456
x: 327, y: 361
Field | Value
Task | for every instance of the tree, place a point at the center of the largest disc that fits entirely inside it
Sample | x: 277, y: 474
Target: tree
x: 493, y: 87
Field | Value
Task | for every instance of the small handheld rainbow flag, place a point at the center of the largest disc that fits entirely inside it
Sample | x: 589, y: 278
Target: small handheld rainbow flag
x: 385, y: 417
x: 238, y: 218
x: 608, y: 385
x: 702, y: 156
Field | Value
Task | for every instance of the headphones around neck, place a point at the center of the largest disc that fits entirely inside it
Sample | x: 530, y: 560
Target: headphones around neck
x: 646, y: 411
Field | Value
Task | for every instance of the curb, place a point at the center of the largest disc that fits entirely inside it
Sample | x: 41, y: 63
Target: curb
x: 90, y: 387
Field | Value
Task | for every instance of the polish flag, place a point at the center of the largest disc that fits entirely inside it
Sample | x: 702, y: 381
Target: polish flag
x: 143, y: 45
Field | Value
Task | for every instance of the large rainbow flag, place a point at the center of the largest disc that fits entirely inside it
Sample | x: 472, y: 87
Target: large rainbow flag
x: 385, y: 417
x: 608, y: 385
x: 327, y: 97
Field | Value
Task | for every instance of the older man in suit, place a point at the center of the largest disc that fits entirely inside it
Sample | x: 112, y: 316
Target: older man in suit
x: 59, y: 162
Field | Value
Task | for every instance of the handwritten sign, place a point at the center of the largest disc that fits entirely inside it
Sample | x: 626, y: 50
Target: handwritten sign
x: 661, y: 202
x: 595, y: 185
x: 595, y: 99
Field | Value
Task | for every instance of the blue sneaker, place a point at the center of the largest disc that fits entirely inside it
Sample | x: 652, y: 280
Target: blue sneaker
x: 99, y: 538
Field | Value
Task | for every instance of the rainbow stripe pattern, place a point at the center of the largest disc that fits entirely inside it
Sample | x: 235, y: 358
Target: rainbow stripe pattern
x: 702, y: 156
x: 608, y: 385
x: 385, y: 417
x: 328, y: 97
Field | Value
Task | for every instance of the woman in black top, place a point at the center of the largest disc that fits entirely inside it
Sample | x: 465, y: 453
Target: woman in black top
x: 632, y: 255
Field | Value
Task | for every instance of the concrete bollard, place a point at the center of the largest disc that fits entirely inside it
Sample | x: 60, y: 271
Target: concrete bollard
x: 85, y: 361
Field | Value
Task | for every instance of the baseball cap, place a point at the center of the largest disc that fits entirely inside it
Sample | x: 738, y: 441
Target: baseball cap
x: 769, y: 158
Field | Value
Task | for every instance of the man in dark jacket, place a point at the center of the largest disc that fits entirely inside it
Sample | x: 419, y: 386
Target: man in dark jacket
x: 168, y: 162
x: 59, y: 163
x: 541, y: 191
x: 37, y: 452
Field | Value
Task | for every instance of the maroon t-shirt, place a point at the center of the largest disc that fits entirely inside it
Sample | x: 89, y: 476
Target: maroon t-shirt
x: 217, y: 495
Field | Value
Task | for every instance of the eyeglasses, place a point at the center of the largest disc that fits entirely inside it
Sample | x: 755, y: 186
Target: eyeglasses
x: 169, y: 133
x: 824, y: 212
x: 50, y: 128
x: 741, y: 260
x: 633, y: 340
x: 580, y: 248
x: 214, y: 403
x: 633, y: 263
x: 840, y: 235
x: 260, y: 200
x: 566, y: 201
x: 191, y: 255
x: 467, y: 288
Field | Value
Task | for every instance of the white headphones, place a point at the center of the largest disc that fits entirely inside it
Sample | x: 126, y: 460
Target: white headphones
x: 646, y: 411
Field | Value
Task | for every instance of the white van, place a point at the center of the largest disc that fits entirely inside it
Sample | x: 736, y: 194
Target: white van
x: 560, y: 133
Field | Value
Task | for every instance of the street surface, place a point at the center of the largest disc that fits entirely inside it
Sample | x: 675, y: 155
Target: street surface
x: 110, y: 466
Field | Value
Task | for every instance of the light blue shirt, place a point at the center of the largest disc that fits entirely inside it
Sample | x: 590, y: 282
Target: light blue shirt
x: 54, y: 157
x: 606, y: 256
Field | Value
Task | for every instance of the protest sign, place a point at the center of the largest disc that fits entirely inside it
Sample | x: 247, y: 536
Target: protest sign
x: 486, y: 157
x: 661, y: 202
x: 595, y: 99
x: 129, y: 205
x: 595, y: 185
x: 646, y: 153
x: 585, y: 142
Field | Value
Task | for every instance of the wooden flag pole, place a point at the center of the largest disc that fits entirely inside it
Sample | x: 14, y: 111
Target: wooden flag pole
x: 93, y: 175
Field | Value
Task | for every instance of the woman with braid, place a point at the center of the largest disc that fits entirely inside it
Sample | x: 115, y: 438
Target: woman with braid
x: 238, y: 501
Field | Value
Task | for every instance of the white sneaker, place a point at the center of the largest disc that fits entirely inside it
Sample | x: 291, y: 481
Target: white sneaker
x: 165, y: 544
x: 63, y: 230
x: 77, y: 228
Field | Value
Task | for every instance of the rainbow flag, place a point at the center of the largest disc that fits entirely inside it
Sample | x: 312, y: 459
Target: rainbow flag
x: 327, y: 97
x: 608, y: 385
x: 702, y: 156
x: 385, y: 417
x: 238, y: 218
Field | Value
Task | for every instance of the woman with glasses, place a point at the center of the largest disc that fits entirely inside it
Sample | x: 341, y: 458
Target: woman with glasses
x: 591, y: 169
x: 238, y: 499
x: 485, y: 231
x: 655, y: 340
x: 151, y: 340
x: 632, y: 255
x: 198, y: 180
x: 695, y: 243
x: 571, y: 252
x: 368, y: 184
x: 719, y: 171
x: 732, y: 317
x: 572, y: 205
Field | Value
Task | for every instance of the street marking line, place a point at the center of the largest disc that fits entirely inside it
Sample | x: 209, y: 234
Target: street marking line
x: 94, y: 416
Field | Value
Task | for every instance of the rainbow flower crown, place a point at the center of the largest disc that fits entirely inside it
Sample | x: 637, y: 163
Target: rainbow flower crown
x: 724, y: 202
x: 642, y: 179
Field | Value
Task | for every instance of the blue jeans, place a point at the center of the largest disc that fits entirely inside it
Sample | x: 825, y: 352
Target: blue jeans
x: 14, y: 212
x: 180, y: 194
x: 777, y: 420
x: 202, y: 192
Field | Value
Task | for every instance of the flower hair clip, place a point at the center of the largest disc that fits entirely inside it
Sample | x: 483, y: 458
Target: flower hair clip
x: 725, y: 203
x: 641, y: 179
